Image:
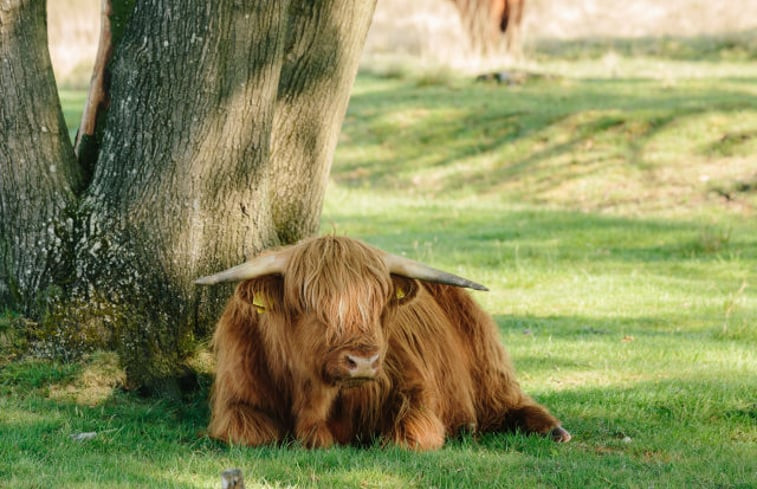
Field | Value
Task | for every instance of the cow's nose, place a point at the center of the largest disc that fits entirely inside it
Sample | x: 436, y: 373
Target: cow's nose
x: 362, y: 367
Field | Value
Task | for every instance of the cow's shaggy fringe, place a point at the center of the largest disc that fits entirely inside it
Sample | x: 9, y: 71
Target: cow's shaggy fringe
x: 443, y: 371
x: 345, y: 282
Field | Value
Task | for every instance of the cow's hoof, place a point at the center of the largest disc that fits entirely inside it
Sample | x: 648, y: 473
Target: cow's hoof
x: 560, y: 435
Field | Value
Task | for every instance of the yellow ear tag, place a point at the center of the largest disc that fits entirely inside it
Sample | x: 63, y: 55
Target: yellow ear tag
x: 260, y: 303
x: 400, y: 293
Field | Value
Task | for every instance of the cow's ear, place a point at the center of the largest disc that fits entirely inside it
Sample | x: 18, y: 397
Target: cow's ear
x: 405, y: 289
x: 264, y: 293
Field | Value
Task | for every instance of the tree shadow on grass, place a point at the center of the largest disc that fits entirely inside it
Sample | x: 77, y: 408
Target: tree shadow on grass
x: 500, y: 236
x: 673, y: 424
x: 544, y: 134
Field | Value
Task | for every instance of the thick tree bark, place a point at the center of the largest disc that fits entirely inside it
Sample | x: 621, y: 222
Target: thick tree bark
x: 218, y: 137
x: 38, y: 174
x: 324, y: 41
x: 180, y: 183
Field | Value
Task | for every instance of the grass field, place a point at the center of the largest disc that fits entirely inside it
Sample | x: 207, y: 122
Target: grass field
x: 610, y: 210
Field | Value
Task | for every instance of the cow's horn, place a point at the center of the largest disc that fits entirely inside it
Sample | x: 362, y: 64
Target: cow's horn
x: 399, y: 265
x: 263, y: 265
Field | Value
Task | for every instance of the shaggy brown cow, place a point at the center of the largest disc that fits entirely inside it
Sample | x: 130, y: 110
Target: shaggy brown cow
x: 331, y: 340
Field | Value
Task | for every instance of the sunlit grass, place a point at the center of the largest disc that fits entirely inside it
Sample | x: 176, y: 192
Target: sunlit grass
x: 73, y: 105
x: 615, y: 145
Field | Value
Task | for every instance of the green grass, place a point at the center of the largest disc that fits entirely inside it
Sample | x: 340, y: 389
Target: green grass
x: 731, y: 46
x: 613, y: 219
x: 73, y: 104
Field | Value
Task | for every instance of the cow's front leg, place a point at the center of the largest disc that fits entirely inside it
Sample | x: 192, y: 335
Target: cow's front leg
x: 314, y: 434
x: 311, y: 410
x: 420, y: 430
x: 241, y: 423
x: 417, y: 425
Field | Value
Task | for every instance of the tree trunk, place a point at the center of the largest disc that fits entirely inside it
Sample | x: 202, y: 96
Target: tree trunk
x: 38, y: 174
x: 512, y: 22
x: 490, y: 22
x: 179, y: 186
x: 98, y: 100
x: 221, y: 127
x: 323, y: 45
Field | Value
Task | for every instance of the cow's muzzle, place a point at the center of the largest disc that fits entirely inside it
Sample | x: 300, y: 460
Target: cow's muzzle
x: 361, y: 367
x: 350, y: 367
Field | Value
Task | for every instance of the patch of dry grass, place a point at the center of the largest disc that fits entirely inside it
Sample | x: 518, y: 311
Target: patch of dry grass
x: 94, y: 384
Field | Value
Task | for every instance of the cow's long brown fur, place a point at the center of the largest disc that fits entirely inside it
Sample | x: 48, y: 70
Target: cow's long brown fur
x: 443, y: 371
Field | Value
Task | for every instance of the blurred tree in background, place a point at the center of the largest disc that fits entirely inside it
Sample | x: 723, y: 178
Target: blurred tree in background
x: 491, y: 24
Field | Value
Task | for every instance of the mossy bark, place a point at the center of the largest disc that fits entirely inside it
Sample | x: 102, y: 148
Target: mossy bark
x: 216, y: 144
x: 180, y: 187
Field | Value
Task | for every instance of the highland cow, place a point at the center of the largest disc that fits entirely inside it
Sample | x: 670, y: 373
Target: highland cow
x: 333, y: 341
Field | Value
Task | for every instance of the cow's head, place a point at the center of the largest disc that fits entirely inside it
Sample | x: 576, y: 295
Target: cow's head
x: 328, y: 299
